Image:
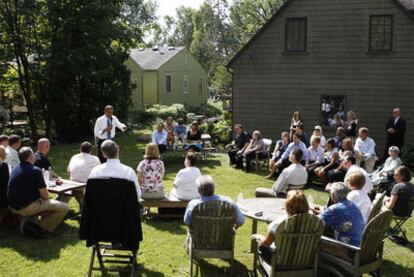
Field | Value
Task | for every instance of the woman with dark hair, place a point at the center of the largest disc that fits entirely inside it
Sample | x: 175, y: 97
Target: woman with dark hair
x: 294, y: 123
x: 331, y: 160
x: 401, y: 193
x: 193, y: 138
x: 296, y: 203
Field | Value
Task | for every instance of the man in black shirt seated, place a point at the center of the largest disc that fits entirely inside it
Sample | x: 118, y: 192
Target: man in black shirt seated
x: 41, y: 159
x: 28, y: 195
x: 240, y: 143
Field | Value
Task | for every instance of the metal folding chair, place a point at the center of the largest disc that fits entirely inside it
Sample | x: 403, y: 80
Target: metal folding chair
x: 399, y: 222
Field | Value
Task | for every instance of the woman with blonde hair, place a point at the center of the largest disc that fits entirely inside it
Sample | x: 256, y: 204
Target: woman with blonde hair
x: 150, y: 173
x: 296, y: 203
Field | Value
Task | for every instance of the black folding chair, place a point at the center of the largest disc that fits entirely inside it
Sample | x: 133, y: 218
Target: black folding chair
x: 399, y: 222
x: 111, y: 224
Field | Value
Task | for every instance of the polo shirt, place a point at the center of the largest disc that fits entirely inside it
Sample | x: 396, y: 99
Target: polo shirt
x: 24, y: 184
x: 404, y: 191
x: 42, y: 161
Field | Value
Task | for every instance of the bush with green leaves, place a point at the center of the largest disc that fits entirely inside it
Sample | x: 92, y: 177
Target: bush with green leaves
x: 4, y: 115
x: 407, y: 156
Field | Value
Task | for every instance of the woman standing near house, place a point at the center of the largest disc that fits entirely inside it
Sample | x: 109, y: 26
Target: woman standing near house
x: 194, y: 138
x: 294, y: 123
x: 169, y: 127
x: 351, y: 124
x: 150, y: 173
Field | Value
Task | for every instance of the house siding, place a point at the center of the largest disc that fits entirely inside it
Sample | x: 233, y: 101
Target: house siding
x: 269, y: 84
x: 137, y: 82
x: 182, y: 64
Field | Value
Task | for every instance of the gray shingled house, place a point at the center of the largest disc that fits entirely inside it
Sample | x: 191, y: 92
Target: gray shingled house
x: 324, y: 57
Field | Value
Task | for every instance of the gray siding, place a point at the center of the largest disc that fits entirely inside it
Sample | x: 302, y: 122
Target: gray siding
x: 269, y: 84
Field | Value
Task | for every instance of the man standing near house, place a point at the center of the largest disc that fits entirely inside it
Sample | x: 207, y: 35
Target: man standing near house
x: 395, y: 129
x: 105, y: 129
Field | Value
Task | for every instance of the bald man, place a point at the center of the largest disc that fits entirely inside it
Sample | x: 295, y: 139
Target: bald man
x: 41, y: 159
x: 395, y: 129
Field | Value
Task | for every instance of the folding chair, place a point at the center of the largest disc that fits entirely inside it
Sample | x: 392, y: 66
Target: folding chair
x: 263, y: 161
x: 111, y: 223
x: 399, y: 222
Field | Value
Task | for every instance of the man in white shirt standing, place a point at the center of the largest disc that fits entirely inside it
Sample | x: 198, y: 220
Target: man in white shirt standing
x: 12, y: 155
x: 365, y: 150
x: 291, y: 177
x: 79, y: 169
x: 105, y: 128
x: 113, y: 168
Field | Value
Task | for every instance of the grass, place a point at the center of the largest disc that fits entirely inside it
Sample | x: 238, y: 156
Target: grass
x: 161, y: 253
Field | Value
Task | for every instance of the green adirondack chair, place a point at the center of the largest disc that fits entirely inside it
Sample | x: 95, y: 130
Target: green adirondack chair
x: 376, y: 206
x: 297, y: 239
x: 364, y: 259
x: 212, y: 231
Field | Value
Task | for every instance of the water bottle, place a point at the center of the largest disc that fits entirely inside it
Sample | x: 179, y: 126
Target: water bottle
x: 240, y: 198
x: 310, y: 199
x: 45, y: 176
x: 49, y: 170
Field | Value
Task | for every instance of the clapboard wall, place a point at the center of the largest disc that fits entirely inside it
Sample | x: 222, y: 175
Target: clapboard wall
x: 269, y: 83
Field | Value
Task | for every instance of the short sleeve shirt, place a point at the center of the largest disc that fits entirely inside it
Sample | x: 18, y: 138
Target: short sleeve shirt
x: 24, y: 184
x: 42, y: 161
x: 404, y: 191
x: 153, y: 172
x: 241, y: 140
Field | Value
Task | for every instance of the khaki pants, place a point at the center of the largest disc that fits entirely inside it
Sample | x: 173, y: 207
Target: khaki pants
x: 48, y: 222
x: 264, y: 192
x: 369, y: 164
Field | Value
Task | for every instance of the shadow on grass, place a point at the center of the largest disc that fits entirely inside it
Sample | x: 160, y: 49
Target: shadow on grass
x: 409, y: 245
x: 173, y: 226
x: 392, y: 269
x: 45, y: 249
x: 207, y: 269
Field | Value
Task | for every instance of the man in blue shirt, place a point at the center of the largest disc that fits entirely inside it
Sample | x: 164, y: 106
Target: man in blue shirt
x: 159, y: 137
x: 295, y: 144
x: 180, y: 132
x: 206, y: 187
x: 28, y: 195
x: 344, y: 217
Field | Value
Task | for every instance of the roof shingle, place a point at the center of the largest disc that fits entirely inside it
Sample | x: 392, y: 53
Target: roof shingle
x: 408, y: 4
x: 150, y: 59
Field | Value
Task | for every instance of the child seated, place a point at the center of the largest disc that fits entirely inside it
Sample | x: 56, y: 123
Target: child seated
x: 180, y: 132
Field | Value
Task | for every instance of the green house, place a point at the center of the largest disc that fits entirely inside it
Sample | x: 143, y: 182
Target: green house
x: 166, y: 75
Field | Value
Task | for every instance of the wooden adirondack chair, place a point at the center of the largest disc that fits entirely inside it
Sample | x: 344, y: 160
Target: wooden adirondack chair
x: 364, y: 259
x: 376, y: 206
x: 297, y: 239
x: 212, y: 232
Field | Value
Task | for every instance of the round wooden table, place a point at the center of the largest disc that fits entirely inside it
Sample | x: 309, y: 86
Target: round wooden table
x: 262, y: 209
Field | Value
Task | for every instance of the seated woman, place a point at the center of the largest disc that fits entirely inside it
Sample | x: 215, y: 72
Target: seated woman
x: 381, y: 174
x: 169, y: 127
x: 331, y: 160
x: 316, y: 158
x: 401, y: 193
x: 256, y: 146
x: 359, y: 197
x: 150, y: 173
x: 280, y: 148
x: 338, y: 174
x: 193, y: 138
x: 296, y: 203
x: 185, y: 187
x: 317, y: 132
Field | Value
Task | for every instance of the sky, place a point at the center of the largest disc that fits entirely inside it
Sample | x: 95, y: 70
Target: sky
x: 167, y: 7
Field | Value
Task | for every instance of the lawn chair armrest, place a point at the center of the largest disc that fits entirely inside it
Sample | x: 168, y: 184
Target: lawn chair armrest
x: 330, y: 240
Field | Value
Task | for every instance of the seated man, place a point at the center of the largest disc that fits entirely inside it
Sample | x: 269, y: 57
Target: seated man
x: 79, y: 169
x: 350, y: 165
x: 206, y: 187
x: 339, y: 137
x: 180, y: 131
x: 365, y: 150
x: 240, y: 143
x: 316, y: 158
x: 12, y: 155
x: 295, y: 144
x: 159, y: 137
x: 294, y: 175
x: 392, y: 162
x: 113, y: 168
x: 41, y: 159
x: 401, y: 193
x: 344, y: 219
x: 4, y: 180
x: 28, y: 194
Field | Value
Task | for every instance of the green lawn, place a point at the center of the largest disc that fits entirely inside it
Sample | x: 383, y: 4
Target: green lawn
x: 161, y: 253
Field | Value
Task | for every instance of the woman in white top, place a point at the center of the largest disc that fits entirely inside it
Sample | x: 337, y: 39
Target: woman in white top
x: 331, y: 160
x: 359, y: 197
x: 185, y: 187
x: 392, y: 162
x: 317, y: 132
